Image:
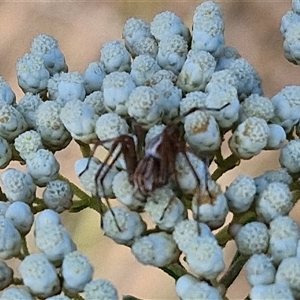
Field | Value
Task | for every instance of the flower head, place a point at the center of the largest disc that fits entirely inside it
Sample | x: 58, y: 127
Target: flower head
x: 77, y: 271
x: 115, y: 57
x: 156, y: 249
x: 33, y: 269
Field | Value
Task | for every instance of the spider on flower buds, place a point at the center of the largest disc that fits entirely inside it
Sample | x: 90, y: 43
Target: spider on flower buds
x: 157, y: 164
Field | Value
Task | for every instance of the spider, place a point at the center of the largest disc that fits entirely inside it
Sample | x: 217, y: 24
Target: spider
x: 158, y: 164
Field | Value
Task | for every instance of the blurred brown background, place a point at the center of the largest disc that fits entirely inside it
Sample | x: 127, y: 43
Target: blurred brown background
x: 81, y: 27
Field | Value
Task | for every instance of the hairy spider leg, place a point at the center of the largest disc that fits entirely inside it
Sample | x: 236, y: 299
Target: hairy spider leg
x: 128, y: 149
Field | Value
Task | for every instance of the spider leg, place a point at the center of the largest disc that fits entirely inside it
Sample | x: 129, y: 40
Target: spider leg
x: 99, y: 178
x: 184, y: 153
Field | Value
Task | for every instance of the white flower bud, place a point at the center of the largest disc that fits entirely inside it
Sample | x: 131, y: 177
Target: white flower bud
x: 20, y: 215
x: 208, y: 28
x: 188, y: 287
x: 142, y: 68
x: 110, y: 126
x: 249, y: 138
x: 123, y: 225
x: 256, y: 106
x: 196, y: 71
x: 3, y: 208
x: 202, y: 132
x: 80, y: 119
x: 217, y: 97
x: 93, y: 77
x: 192, y: 100
x: 263, y: 180
x: 115, y: 57
x: 28, y: 106
x: 276, y: 291
x: 289, y: 272
x: 52, y: 86
x: 288, y: 20
x: 16, y: 293
x: 134, y: 30
x: 168, y: 23
x: 6, y: 93
x: 223, y: 79
x: 186, y: 231
x: 42, y: 166
x: 170, y: 97
x: 12, y: 123
x: 126, y: 193
x: 205, y: 257
x: 240, y: 194
x: 228, y: 55
x: 51, y: 128
x: 275, y: 200
x: 161, y: 75
x: 172, y: 52
x: 185, y: 175
x: 18, y: 186
x: 165, y: 209
x: 145, y: 46
x: 100, y: 289
x: 117, y: 87
x: 46, y: 47
x: 70, y: 86
x: 32, y: 74
x: 10, y: 243
x: 286, y: 105
x: 252, y: 238
x: 156, y: 249
x: 76, y: 271
x: 260, y: 270
x: 96, y: 100
x: 210, y: 208
x: 143, y: 105
x: 248, y: 81
x: 290, y: 156
x: 276, y: 138
x: 33, y: 269
x: 54, y: 241
x: 28, y: 143
x: 296, y: 6
x: 5, y: 153
x: 291, y: 44
x: 47, y: 217
x: 6, y: 275
x: 284, y: 235
x: 58, y: 195
x: 88, y: 180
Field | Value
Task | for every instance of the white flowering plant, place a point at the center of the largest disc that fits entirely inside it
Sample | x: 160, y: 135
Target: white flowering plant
x: 164, y: 103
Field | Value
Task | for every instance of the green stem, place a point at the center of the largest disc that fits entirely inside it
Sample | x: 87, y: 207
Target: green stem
x: 175, y: 270
x: 17, y: 281
x: 234, y: 270
x: 225, y: 165
x: 223, y: 235
x: 84, y: 148
x: 25, y: 251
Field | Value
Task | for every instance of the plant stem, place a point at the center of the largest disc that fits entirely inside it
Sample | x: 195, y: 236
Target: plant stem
x: 234, y: 269
x: 175, y: 270
x: 224, y: 165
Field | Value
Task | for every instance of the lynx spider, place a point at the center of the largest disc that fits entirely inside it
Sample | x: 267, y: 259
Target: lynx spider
x: 158, y: 164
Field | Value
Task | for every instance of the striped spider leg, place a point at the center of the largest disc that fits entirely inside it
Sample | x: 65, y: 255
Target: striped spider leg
x: 123, y: 144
